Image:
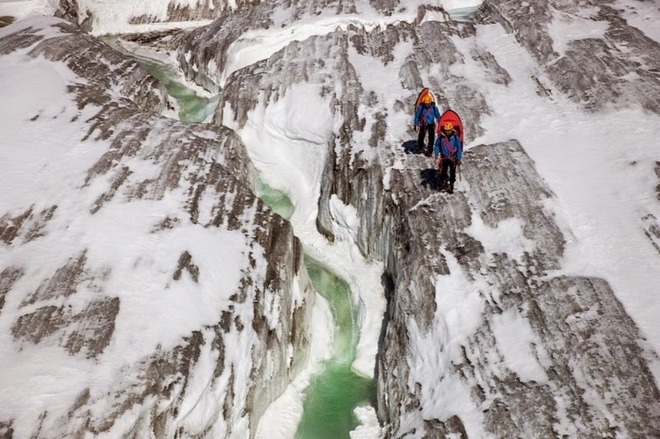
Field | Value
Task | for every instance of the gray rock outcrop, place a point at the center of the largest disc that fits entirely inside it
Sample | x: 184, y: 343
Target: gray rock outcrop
x: 197, y: 184
x: 456, y: 300
x: 592, y: 375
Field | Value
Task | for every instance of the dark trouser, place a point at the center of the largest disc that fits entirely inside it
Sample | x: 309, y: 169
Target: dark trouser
x: 423, y: 130
x: 448, y: 166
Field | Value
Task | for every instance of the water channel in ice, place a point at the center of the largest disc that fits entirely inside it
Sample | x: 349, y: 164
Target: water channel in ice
x: 336, y: 399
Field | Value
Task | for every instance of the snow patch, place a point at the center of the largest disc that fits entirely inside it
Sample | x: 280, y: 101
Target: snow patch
x: 564, y: 29
x: 506, y: 237
x: 369, y: 427
x: 27, y: 8
x: 515, y: 338
x: 345, y: 220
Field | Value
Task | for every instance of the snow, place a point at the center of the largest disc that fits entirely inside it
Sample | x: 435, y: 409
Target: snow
x: 256, y: 45
x: 642, y: 15
x: 582, y: 162
x: 288, y: 147
x: 507, y: 237
x: 515, y: 339
x: 563, y: 30
x: 591, y: 169
x: 369, y: 427
x: 586, y: 172
x: 293, y: 162
x: 26, y: 8
x: 118, y: 16
x: 44, y: 164
x: 345, y: 220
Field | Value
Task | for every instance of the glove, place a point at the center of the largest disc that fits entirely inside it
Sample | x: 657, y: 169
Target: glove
x: 458, y: 163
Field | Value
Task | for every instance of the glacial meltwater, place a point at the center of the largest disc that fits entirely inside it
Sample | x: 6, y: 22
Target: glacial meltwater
x: 278, y: 201
x: 332, y: 396
x: 192, y: 107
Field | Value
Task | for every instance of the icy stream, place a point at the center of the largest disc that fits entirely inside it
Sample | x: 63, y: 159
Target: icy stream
x: 192, y: 107
x: 332, y: 396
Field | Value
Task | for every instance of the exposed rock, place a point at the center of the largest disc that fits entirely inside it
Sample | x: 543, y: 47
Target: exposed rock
x: 6, y: 431
x: 441, y: 226
x: 8, y: 277
x: 622, y: 67
x: 69, y: 11
x: 199, y: 180
x: 10, y: 227
x: 6, y: 21
x: 62, y: 284
x: 597, y: 350
x: 28, y: 223
x: 89, y: 16
x: 185, y: 263
x: 89, y: 330
x: 652, y: 230
x: 422, y: 235
x: 591, y: 374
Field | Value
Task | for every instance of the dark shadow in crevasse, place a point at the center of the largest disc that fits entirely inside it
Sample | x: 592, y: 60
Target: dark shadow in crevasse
x: 387, y: 281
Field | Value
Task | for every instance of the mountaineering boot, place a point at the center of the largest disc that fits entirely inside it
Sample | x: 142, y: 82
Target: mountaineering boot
x: 450, y: 189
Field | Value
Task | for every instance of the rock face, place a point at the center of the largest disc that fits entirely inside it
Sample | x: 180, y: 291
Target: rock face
x: 124, y: 244
x: 620, y: 67
x: 92, y: 15
x: 582, y: 335
x: 591, y: 373
x: 458, y: 299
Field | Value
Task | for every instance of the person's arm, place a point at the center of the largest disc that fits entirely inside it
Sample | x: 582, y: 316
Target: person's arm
x: 437, y: 113
x: 436, y: 153
x: 418, y: 113
x: 442, y: 149
x: 436, y: 147
x: 459, y: 149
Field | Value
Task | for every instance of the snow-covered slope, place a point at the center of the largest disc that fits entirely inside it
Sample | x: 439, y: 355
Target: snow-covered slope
x: 515, y: 305
x: 523, y: 305
x: 144, y: 289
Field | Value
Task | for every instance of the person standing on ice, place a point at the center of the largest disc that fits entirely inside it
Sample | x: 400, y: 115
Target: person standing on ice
x: 448, y: 151
x: 426, y: 118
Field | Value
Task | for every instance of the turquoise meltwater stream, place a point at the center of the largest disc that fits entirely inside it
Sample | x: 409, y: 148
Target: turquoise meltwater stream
x: 192, y: 108
x: 332, y: 395
x: 278, y: 201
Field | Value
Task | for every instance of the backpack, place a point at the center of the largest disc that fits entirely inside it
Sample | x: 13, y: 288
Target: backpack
x: 455, y: 119
x: 420, y: 97
x: 422, y: 94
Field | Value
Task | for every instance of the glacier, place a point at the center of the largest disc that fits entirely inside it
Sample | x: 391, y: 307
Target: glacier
x: 145, y: 291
